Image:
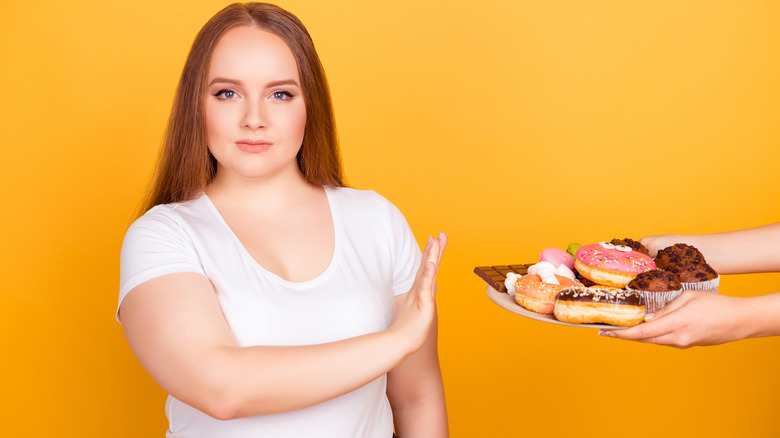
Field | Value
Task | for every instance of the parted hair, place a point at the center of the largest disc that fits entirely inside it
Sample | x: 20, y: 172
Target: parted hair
x: 185, y: 166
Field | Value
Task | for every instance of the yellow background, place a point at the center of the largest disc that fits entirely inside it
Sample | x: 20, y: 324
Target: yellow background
x: 513, y: 126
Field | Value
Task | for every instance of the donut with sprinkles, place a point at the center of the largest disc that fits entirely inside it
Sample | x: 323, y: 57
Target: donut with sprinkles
x: 611, y: 265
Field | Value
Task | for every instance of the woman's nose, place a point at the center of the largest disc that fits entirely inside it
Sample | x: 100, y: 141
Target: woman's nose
x: 255, y: 116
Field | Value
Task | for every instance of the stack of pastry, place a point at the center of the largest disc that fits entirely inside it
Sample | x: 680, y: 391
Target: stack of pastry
x: 614, y: 282
x: 591, y: 290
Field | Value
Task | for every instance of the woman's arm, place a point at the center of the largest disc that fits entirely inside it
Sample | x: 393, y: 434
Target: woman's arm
x: 415, y: 388
x: 416, y: 391
x: 175, y: 327
x: 732, y: 252
x: 705, y: 318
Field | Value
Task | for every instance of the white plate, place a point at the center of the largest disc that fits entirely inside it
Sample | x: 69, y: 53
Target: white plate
x: 508, y: 302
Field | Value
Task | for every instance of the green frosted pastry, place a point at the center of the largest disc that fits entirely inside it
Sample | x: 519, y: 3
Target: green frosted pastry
x: 573, y: 248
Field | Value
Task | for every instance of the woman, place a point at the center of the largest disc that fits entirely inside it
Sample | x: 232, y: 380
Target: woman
x: 262, y: 295
x: 704, y: 318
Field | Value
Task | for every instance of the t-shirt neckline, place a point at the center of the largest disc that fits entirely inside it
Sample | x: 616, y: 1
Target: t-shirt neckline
x: 337, y: 237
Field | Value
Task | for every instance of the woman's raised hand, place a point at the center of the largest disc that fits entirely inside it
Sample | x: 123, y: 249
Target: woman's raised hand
x: 415, y: 316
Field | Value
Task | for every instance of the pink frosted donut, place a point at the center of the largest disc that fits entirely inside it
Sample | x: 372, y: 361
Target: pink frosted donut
x: 610, y: 265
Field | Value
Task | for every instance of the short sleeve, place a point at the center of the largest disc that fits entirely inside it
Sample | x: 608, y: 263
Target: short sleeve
x: 406, y: 252
x: 156, y: 244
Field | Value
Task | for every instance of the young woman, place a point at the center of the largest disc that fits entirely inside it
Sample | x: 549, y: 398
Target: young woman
x: 704, y: 318
x: 264, y: 296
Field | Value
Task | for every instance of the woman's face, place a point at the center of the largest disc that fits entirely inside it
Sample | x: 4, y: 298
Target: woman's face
x: 255, y: 112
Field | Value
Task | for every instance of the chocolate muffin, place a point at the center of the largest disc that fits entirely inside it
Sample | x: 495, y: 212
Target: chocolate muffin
x: 680, y: 254
x: 695, y: 273
x: 689, y: 264
x: 631, y: 243
x: 656, y: 280
x: 657, y: 287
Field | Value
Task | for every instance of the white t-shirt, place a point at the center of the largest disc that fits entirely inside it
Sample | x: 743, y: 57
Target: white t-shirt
x: 375, y: 258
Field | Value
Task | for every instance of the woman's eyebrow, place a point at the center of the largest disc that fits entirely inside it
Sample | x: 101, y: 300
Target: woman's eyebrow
x: 272, y: 84
x: 283, y: 82
x: 224, y: 81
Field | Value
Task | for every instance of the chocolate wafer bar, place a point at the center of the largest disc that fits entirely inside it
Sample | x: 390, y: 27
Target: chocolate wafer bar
x: 496, y: 275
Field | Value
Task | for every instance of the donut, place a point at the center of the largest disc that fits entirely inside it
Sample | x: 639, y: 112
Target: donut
x: 589, y: 305
x: 610, y: 265
x: 536, y: 295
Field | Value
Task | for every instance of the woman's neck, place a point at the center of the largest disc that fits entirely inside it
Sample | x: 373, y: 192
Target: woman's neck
x: 277, y: 193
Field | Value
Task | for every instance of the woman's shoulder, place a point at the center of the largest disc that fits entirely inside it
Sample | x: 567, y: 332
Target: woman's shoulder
x: 367, y: 205
x: 359, y: 196
x: 173, y: 215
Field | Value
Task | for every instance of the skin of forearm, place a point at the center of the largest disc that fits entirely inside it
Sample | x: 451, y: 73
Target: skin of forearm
x: 420, y: 409
x: 425, y: 418
x: 762, y: 315
x: 741, y: 251
x: 291, y: 378
x: 416, y: 392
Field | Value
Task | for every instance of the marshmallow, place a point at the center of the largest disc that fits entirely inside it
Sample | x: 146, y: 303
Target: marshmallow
x: 542, y: 269
x: 511, y: 280
x: 564, y: 271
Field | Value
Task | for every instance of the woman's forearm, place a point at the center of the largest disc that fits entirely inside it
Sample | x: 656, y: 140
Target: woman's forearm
x: 731, y: 252
x: 265, y: 380
x: 425, y: 418
x: 205, y: 368
x: 762, y: 315
x: 416, y: 392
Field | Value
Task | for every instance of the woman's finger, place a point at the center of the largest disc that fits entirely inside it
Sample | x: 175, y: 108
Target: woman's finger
x: 442, y: 241
x: 443, y: 245
x: 669, y: 339
x: 429, y: 277
x: 425, y: 255
x: 656, y: 327
x: 434, y: 254
x: 429, y: 256
x: 680, y: 302
x: 671, y: 307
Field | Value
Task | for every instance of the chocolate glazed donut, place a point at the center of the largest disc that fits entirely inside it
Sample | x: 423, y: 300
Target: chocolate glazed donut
x: 588, y: 305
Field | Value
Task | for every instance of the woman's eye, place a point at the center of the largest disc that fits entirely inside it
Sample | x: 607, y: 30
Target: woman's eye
x: 282, y: 95
x: 225, y: 94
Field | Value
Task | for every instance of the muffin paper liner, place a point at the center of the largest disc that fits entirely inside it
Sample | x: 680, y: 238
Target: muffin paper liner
x: 655, y: 301
x: 708, y: 286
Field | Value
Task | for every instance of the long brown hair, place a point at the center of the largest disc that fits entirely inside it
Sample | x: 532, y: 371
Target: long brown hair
x: 185, y: 165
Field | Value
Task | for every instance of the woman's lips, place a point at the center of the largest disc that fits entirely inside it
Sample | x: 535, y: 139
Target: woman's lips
x: 254, y: 146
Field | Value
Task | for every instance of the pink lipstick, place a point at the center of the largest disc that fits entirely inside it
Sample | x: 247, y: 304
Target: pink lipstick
x: 254, y: 146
